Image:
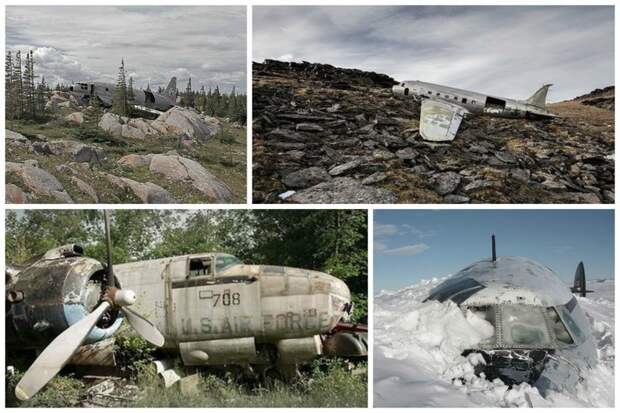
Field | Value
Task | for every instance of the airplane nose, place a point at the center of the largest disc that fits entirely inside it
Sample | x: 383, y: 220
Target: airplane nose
x: 397, y: 90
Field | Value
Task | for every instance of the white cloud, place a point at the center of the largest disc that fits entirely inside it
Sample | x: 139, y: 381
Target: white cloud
x: 383, y: 230
x: 379, y: 246
x: 74, y: 43
x: 502, y: 50
x: 407, y: 250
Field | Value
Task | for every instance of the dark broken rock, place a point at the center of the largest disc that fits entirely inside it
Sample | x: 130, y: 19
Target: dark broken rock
x: 506, y: 157
x: 286, y: 135
x: 286, y: 146
x: 77, y: 150
x: 343, y: 191
x: 309, y: 127
x: 295, y: 155
x: 406, y: 154
x: 521, y: 175
x: 446, y: 182
x: 41, y: 148
x: 480, y: 184
x: 305, y: 178
x: 345, y: 167
x: 39, y: 181
x: 456, y: 199
x: 15, y: 195
x: 495, y: 157
x: 374, y: 178
x: 382, y: 155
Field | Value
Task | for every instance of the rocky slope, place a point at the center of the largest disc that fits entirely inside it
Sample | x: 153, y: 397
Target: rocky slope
x: 176, y: 158
x: 327, y: 135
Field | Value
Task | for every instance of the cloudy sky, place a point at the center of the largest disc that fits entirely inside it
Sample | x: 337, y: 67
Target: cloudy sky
x: 418, y: 244
x: 500, y: 50
x: 72, y: 43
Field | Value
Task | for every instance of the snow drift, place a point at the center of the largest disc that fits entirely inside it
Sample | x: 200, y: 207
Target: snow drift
x: 418, y: 362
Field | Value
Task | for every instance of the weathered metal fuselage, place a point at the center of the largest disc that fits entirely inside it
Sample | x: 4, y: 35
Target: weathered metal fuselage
x: 210, y: 308
x: 475, y: 103
x: 105, y: 91
x: 540, y: 334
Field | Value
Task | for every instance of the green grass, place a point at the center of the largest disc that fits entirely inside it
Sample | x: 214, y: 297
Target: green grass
x: 327, y: 383
x: 227, y: 161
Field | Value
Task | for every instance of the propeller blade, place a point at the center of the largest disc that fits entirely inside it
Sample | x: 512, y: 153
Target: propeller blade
x: 57, y: 354
x: 144, y: 327
x: 108, y: 246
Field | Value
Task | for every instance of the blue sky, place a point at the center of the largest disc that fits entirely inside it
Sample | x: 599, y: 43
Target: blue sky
x: 507, y: 51
x: 414, y: 245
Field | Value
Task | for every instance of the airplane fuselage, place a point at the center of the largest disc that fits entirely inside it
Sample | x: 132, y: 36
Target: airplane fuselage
x: 105, y: 92
x: 210, y: 308
x: 540, y: 333
x: 473, y: 102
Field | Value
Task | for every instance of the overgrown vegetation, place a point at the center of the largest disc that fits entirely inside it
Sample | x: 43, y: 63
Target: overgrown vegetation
x: 326, y: 383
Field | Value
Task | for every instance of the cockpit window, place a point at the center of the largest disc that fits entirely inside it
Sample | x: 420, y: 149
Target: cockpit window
x: 199, y: 267
x: 524, y: 326
x: 222, y: 262
x: 458, y: 290
x: 559, y: 329
x: 568, y: 319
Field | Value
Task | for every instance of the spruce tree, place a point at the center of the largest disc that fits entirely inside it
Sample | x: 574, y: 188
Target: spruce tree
x: 120, y: 105
x: 28, y: 87
x: 41, y: 96
x: 9, y: 86
x: 18, y: 91
x: 130, y: 95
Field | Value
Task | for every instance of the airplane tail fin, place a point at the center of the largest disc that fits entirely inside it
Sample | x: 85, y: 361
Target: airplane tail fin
x: 579, y: 285
x: 539, y: 98
x: 171, y: 89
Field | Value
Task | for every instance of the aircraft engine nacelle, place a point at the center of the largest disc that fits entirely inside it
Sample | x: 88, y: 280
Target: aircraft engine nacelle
x: 51, y: 294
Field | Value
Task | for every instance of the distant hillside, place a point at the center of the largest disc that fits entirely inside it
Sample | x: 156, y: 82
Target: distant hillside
x: 601, y: 98
x: 329, y: 135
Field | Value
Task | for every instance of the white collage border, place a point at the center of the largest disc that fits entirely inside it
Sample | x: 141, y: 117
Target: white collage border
x: 370, y: 208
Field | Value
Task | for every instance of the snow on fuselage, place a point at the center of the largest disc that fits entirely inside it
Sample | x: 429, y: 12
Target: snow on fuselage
x: 536, y: 318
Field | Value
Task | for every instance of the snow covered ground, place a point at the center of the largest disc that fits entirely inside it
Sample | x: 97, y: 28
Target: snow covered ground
x: 417, y: 355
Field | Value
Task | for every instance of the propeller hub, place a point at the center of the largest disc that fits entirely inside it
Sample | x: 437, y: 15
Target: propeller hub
x: 124, y: 298
x: 120, y: 298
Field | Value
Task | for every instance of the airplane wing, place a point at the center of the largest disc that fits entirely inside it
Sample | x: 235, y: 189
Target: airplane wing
x: 439, y: 121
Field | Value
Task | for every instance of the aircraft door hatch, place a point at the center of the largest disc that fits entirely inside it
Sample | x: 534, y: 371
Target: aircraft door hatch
x: 200, y: 267
x: 494, y: 103
x: 406, y: 91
